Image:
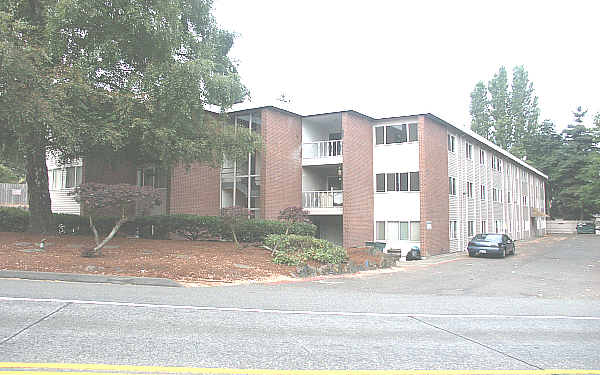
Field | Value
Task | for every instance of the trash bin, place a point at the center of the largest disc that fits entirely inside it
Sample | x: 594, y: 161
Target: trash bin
x: 586, y: 228
x: 414, y: 253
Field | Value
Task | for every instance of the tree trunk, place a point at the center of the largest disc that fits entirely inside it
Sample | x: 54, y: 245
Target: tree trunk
x: 40, y: 220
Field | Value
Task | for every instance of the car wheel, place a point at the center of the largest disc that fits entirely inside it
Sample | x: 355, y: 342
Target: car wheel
x: 503, y: 252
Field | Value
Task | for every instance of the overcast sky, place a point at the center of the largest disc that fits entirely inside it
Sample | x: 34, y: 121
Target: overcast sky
x: 391, y: 58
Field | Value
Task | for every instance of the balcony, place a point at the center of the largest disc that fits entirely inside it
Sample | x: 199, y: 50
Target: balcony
x: 322, y: 152
x: 323, y: 202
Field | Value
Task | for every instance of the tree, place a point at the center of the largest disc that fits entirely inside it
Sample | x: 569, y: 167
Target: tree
x: 499, y: 109
x: 509, y: 118
x: 126, y: 79
x: 125, y: 198
x: 480, y: 115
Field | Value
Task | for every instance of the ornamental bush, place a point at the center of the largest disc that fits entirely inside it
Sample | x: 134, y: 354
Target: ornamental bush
x: 294, y: 249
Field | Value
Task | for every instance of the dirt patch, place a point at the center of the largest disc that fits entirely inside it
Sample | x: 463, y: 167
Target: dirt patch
x: 180, y: 260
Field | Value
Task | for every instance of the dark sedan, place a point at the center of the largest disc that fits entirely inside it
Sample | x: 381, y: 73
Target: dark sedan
x: 491, y: 244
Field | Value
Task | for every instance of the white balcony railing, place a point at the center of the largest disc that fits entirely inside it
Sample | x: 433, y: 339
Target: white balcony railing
x: 322, y: 199
x: 321, y: 149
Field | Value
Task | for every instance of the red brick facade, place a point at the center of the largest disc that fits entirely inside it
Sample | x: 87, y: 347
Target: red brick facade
x: 195, y: 189
x: 358, y: 179
x: 433, y: 167
x: 281, y: 172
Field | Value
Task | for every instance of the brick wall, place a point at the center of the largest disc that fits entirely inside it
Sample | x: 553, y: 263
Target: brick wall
x: 195, y: 189
x: 433, y: 166
x: 281, y: 172
x: 358, y: 179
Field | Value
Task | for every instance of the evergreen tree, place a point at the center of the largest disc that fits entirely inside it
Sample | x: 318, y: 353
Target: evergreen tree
x: 524, y: 112
x: 480, y: 114
x: 499, y: 110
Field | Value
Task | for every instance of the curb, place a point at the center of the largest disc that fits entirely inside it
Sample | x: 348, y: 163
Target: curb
x: 83, y: 278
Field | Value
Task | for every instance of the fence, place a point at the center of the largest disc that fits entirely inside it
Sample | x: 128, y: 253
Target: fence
x: 561, y: 226
x: 13, y: 195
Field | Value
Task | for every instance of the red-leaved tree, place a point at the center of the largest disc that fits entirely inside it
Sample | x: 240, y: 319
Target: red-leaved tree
x: 232, y: 217
x: 125, y: 198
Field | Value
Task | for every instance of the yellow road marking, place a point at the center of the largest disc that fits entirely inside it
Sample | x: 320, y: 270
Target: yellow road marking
x: 92, y: 369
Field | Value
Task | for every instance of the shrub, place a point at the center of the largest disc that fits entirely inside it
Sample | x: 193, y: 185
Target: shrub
x: 13, y: 219
x: 293, y: 250
x: 195, y: 227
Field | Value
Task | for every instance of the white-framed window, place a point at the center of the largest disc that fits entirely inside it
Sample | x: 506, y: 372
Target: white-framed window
x: 508, y: 196
x: 469, y: 189
x: 453, y: 229
x: 401, y: 133
x: 470, y: 228
x: 415, y: 231
x: 494, y: 195
x: 451, y: 140
x: 408, y: 181
x: 469, y: 151
x: 65, y: 177
x: 498, y: 225
x: 482, y: 192
x: 380, y: 230
x: 398, y: 230
x: 500, y: 195
x: 452, y: 185
x: 152, y: 176
x: 481, y: 157
x: 483, y: 226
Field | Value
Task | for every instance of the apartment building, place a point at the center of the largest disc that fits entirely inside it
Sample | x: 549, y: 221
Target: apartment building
x: 407, y: 181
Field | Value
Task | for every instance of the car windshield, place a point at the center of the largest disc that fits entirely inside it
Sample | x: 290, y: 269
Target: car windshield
x: 489, y: 237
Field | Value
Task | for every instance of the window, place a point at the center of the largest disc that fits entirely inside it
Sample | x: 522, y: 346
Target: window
x: 415, y: 230
x: 380, y: 182
x: 524, y: 200
x: 470, y: 189
x: 403, y: 230
x: 482, y: 193
x: 453, y: 229
x: 498, y: 224
x: 401, y: 133
x: 494, y: 195
x: 450, y: 143
x: 414, y: 181
x: 395, y: 134
x: 452, y: 185
x: 483, y: 226
x: 403, y: 181
x: 470, y: 228
x: 413, y: 132
x: 481, y: 157
x: 152, y: 176
x: 393, y: 230
x: 397, y: 182
x: 379, y: 135
x: 380, y: 229
x: 508, y: 196
x: 469, y: 151
x: 391, y: 182
x: 500, y: 195
x: 499, y: 164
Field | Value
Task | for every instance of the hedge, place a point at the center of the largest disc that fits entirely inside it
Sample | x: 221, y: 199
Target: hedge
x: 293, y: 249
x: 192, y: 227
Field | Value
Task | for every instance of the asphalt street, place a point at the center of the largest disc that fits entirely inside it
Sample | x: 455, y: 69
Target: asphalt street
x: 535, y: 311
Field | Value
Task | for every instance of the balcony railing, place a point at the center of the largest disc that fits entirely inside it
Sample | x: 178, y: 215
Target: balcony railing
x: 322, y: 199
x: 321, y: 149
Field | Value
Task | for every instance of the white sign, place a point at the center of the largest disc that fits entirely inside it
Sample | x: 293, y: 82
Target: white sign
x: 16, y: 191
x: 428, y: 225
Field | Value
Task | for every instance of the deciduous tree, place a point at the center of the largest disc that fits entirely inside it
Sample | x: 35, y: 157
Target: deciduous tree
x: 125, y: 79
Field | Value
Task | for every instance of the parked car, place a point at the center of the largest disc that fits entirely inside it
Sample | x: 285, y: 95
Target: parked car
x: 491, y: 244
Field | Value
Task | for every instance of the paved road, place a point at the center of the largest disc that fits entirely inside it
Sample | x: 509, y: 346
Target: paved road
x: 537, y: 310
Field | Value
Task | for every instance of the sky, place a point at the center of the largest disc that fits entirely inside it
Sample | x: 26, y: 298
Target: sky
x: 396, y: 57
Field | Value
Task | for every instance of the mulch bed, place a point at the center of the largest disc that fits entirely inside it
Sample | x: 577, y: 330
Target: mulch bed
x: 180, y: 260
